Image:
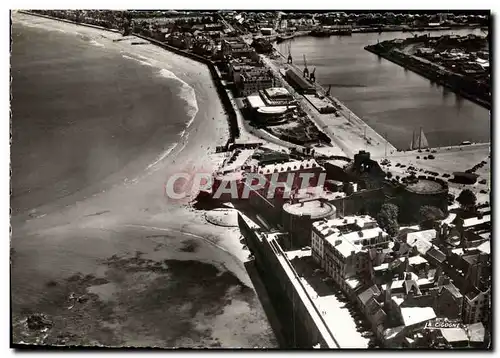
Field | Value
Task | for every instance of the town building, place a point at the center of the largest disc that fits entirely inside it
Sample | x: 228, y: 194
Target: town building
x: 271, y: 106
x: 340, y: 246
x: 253, y: 80
x: 182, y: 40
x: 477, y: 306
x: 234, y: 47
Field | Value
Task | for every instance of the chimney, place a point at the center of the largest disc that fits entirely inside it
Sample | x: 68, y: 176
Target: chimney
x: 438, y: 274
x: 401, y: 275
x: 388, y: 292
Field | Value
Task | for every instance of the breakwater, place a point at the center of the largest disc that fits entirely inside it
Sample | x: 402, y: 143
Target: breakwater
x: 234, y: 131
x: 461, y: 85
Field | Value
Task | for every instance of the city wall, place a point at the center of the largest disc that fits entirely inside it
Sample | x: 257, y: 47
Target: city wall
x: 300, y: 329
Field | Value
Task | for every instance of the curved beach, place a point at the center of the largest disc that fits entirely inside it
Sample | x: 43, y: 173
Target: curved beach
x: 154, y: 272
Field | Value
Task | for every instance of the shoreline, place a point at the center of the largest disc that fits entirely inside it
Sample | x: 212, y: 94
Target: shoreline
x: 234, y: 129
x: 135, y: 217
x: 427, y: 73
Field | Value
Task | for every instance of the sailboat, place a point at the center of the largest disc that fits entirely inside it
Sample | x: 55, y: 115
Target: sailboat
x: 420, y: 141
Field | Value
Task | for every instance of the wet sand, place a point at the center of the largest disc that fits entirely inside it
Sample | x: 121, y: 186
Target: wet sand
x: 153, y: 272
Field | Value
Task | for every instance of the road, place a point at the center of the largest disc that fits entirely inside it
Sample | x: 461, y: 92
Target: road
x: 225, y: 23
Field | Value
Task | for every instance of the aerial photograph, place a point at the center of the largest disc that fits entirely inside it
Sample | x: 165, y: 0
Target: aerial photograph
x: 251, y: 179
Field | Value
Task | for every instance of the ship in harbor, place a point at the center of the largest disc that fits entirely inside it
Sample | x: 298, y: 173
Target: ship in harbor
x: 320, y: 33
x: 284, y: 37
x: 419, y: 141
x: 336, y: 30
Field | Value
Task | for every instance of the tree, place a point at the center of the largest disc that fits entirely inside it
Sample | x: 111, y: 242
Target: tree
x: 467, y: 199
x: 387, y: 219
x: 348, y: 189
x: 428, y: 215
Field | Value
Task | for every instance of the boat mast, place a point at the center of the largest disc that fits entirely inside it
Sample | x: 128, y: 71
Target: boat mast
x: 420, y: 139
x: 386, y: 145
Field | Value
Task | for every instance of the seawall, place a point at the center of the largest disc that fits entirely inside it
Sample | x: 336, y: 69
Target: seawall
x: 302, y: 324
x: 234, y: 131
x: 423, y: 69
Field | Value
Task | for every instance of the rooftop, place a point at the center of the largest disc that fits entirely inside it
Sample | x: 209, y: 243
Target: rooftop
x: 485, y: 247
x: 476, y: 332
x: 454, y: 335
x: 415, y: 315
x: 453, y: 290
x: 272, y: 110
x: 289, y: 166
x: 315, y: 208
x: 360, y: 221
x: 275, y: 92
x: 422, y: 245
x: 373, y: 291
x: 415, y: 260
x: 476, y: 221
x: 348, y: 235
x: 427, y: 235
x: 255, y: 101
x: 436, y: 254
x: 425, y: 186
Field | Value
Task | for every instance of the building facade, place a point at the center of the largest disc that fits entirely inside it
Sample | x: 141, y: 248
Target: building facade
x: 340, y: 246
x: 476, y: 307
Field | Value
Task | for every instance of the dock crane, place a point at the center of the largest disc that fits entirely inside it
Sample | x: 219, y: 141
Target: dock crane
x: 306, y: 70
x: 290, y: 60
x: 312, y: 76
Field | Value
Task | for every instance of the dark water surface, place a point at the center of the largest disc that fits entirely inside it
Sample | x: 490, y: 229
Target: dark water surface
x: 82, y: 112
x: 389, y: 98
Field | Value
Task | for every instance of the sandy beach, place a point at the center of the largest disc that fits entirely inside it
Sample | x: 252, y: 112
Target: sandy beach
x: 154, y: 272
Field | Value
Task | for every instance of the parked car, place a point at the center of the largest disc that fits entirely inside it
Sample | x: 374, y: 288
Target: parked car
x: 483, y: 181
x: 431, y: 156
